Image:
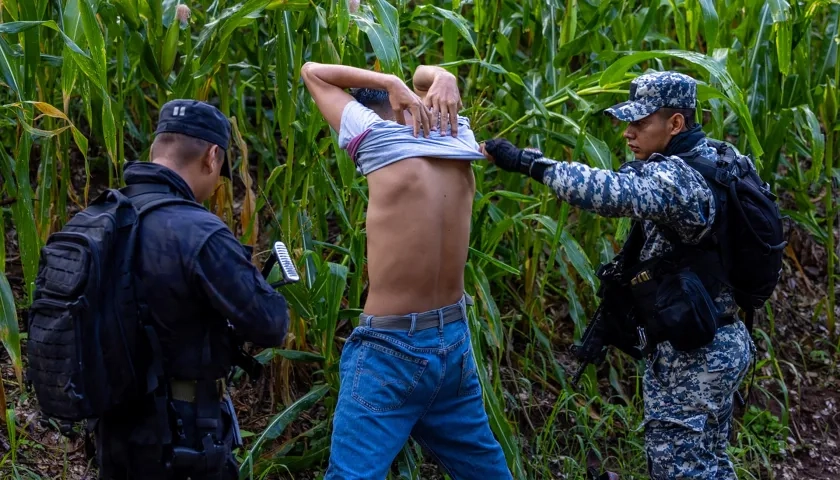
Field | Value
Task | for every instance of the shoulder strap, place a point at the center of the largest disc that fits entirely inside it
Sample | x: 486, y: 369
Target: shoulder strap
x: 633, y: 245
x: 148, y: 196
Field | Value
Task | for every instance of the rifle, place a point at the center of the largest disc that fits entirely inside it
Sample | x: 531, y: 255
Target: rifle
x: 596, y: 340
x: 280, y: 256
x: 593, y: 348
x: 611, y: 325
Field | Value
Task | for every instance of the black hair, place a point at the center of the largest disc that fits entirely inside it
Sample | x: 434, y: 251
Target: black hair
x: 688, y: 113
x: 370, y: 97
x: 183, y: 149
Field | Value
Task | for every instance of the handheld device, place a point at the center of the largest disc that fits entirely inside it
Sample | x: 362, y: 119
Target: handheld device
x: 280, y: 255
x: 287, y: 267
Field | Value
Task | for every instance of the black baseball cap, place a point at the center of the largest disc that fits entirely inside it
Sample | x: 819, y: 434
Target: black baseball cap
x: 199, y: 120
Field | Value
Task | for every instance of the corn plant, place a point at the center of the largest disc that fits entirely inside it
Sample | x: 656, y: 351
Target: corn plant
x: 83, y: 81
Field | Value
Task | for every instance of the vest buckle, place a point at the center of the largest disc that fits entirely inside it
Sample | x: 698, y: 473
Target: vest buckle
x: 641, y: 277
x: 640, y: 331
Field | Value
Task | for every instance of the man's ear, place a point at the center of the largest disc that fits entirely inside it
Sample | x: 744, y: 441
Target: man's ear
x: 209, y: 160
x: 676, y: 123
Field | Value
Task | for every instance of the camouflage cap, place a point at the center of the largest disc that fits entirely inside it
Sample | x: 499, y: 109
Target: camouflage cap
x: 652, y: 91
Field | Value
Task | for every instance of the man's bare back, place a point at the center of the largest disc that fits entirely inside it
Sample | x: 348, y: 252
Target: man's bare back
x: 420, y: 189
x: 418, y: 230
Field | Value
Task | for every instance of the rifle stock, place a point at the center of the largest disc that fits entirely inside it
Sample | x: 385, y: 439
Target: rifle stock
x: 613, y: 324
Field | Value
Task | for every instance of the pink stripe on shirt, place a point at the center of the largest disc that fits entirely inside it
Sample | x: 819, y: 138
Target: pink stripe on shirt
x: 353, y: 147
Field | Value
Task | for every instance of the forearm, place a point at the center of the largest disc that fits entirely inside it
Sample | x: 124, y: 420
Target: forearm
x: 236, y: 289
x: 343, y: 76
x: 662, y: 193
x: 426, y: 75
x: 603, y: 192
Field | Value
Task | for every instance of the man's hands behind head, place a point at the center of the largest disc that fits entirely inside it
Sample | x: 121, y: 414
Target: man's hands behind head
x: 402, y: 99
x: 444, y: 100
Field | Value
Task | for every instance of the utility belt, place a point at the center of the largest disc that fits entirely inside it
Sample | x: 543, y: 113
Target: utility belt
x: 185, y: 390
x: 673, y: 304
x: 661, y: 299
x: 215, y: 437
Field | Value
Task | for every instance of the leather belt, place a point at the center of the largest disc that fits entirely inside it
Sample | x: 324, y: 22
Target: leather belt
x: 422, y: 321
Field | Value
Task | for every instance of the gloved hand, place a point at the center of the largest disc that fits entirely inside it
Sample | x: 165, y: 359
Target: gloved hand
x: 512, y: 159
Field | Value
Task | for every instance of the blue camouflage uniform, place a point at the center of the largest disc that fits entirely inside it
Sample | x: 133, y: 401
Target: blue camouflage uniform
x: 688, y: 395
x: 197, y: 277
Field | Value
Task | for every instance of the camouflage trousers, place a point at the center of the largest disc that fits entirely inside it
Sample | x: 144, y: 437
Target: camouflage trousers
x: 688, y: 406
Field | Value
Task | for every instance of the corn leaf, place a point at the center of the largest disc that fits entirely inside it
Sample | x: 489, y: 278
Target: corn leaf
x: 9, y: 333
x: 384, y: 45
x: 710, y: 23
x: 279, y: 423
x: 780, y: 10
x: 8, y: 66
x: 806, y: 120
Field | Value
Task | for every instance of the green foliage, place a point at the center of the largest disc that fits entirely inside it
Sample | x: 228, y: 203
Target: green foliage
x: 767, y: 429
x: 82, y: 81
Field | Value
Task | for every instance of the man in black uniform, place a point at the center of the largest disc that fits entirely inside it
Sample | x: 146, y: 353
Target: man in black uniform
x: 196, y: 276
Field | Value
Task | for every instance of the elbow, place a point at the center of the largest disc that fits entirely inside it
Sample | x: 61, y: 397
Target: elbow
x: 306, y: 70
x: 274, y: 334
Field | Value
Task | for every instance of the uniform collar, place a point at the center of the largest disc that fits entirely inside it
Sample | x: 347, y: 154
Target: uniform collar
x: 685, y: 141
x: 147, y: 172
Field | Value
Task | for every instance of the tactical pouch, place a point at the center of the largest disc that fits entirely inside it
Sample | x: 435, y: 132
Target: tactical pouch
x: 677, y: 308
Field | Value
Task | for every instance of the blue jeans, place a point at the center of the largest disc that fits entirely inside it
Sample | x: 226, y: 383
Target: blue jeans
x: 419, y: 382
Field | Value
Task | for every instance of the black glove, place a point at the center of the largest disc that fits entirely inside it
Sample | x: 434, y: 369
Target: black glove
x: 508, y: 157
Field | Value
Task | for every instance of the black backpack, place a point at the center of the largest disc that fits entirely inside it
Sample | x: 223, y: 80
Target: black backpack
x: 749, y: 233
x: 90, y: 347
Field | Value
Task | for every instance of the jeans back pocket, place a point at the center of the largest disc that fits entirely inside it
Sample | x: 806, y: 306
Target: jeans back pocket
x: 385, y: 378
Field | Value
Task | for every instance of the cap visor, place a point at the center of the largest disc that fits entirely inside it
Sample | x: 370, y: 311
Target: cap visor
x: 630, y: 111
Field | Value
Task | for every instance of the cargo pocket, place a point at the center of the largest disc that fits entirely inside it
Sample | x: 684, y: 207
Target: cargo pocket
x: 662, y: 431
x: 669, y: 440
x: 469, y: 377
x: 385, y: 378
x: 672, y: 423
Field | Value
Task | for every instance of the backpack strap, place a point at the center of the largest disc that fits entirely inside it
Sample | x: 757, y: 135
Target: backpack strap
x: 713, y: 251
x: 147, y: 197
x: 635, y: 241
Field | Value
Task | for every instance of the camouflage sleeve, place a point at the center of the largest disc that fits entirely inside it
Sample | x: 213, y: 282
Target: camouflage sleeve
x: 237, y: 290
x: 664, y: 190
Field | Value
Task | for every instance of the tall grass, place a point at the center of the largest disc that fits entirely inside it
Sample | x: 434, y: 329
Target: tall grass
x: 83, y: 81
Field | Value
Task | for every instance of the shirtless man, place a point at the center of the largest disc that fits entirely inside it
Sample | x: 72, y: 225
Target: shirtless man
x: 408, y: 368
